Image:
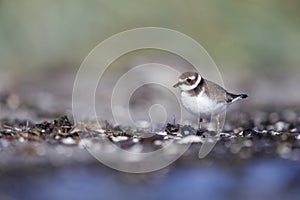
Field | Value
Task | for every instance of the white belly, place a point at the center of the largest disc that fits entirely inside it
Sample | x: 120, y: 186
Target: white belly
x: 201, y: 105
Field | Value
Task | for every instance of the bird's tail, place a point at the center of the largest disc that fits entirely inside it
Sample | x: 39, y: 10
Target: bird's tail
x: 243, y: 96
x: 235, y: 97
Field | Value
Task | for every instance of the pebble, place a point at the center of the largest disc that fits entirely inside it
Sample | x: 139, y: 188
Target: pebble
x: 57, y: 137
x: 237, y: 130
x: 247, y: 143
x: 279, y: 126
x: 191, y: 139
x: 157, y: 142
x: 171, y: 128
x: 21, y: 139
x: 135, y: 140
x: 282, y: 126
x: 284, y: 150
x: 102, y: 131
x: 68, y: 141
x: 249, y: 133
x: 119, y: 138
x: 162, y: 133
x: 225, y: 134
x: 294, y: 130
x: 274, y: 133
x: 186, y: 132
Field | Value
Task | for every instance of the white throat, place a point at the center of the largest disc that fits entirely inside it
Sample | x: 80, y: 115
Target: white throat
x: 191, y: 87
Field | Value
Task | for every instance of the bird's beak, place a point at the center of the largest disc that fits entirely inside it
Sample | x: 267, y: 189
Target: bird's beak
x: 176, y: 85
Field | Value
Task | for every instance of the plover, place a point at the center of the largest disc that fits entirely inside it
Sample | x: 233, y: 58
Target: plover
x: 204, y: 98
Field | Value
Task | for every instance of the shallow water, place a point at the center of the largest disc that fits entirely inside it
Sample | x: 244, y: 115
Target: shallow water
x: 259, y: 179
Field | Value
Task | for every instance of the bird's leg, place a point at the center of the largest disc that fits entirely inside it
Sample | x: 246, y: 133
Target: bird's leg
x: 200, y: 123
x: 218, y: 124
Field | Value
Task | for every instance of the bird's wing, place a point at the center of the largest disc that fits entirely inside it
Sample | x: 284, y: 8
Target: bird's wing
x: 215, y: 91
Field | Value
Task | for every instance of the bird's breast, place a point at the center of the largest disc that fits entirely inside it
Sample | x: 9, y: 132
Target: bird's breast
x: 200, y: 104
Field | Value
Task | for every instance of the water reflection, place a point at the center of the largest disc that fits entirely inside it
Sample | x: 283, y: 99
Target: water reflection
x: 260, y: 179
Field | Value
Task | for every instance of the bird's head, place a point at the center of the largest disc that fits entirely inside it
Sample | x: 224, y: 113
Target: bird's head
x: 188, y: 81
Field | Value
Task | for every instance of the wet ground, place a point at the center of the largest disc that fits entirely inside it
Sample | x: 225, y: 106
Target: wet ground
x: 257, y: 156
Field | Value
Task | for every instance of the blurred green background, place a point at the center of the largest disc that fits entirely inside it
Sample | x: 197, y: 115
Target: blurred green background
x: 253, y: 35
x: 254, y: 43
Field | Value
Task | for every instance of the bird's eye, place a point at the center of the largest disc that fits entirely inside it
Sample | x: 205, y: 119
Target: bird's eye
x: 188, y: 80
